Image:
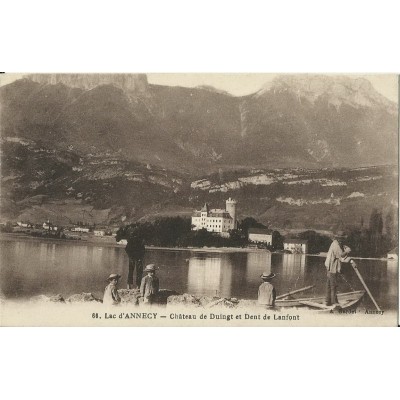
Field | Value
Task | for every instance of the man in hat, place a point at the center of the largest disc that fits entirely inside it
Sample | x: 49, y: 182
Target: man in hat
x: 111, y: 296
x: 150, y: 285
x: 266, y: 291
x: 337, y: 253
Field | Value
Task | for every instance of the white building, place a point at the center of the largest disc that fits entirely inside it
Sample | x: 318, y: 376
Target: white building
x: 24, y: 224
x: 80, y: 229
x: 257, y: 235
x: 296, y: 245
x: 99, y: 232
x: 216, y: 220
x: 49, y: 226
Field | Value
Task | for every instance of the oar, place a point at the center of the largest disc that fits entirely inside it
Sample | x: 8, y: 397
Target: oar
x: 282, y: 296
x: 316, y: 305
x: 354, y: 265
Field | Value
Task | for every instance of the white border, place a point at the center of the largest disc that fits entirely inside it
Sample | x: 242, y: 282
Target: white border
x: 206, y: 36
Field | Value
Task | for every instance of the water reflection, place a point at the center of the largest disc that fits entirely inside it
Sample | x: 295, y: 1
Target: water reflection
x: 293, y: 266
x: 257, y: 263
x: 210, y: 276
x: 29, y: 268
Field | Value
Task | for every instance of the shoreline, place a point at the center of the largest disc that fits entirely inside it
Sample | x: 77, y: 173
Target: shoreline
x: 102, y: 242
x: 170, y: 299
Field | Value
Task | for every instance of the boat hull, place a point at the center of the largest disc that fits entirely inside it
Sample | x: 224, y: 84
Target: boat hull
x: 346, y: 300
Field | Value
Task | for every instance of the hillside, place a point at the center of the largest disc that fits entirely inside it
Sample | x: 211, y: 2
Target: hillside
x: 106, y: 147
x: 306, y: 121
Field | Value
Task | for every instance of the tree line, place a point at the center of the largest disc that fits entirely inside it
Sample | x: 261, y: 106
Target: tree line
x: 373, y: 240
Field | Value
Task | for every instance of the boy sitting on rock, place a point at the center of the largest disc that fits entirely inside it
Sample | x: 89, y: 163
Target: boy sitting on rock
x: 266, y: 291
x: 150, y: 285
x: 111, y: 296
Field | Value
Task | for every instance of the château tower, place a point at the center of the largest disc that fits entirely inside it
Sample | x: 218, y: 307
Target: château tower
x: 231, y: 208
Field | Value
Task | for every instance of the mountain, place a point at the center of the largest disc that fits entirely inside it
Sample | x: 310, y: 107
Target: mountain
x: 115, y: 145
x: 329, y: 121
x: 128, y: 82
x: 309, y: 121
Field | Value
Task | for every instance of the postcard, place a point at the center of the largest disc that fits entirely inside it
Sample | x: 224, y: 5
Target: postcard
x: 199, y: 200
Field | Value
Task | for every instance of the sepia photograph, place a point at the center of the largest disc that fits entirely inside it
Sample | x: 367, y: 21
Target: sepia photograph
x: 172, y: 199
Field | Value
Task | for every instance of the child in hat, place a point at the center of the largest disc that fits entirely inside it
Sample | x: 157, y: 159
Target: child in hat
x: 111, y: 296
x: 150, y: 285
x: 266, y: 291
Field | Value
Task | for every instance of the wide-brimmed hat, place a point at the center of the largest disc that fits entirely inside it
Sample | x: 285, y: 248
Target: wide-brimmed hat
x: 267, y: 277
x: 150, y: 268
x: 114, y: 276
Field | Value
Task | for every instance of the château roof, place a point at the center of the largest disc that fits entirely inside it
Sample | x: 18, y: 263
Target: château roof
x: 220, y: 214
x: 205, y: 208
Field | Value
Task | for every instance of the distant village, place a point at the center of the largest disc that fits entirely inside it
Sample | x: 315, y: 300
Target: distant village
x: 80, y: 231
x: 219, y: 221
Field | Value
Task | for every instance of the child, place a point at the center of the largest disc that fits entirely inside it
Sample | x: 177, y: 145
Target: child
x: 266, y: 291
x: 111, y: 296
x: 150, y: 285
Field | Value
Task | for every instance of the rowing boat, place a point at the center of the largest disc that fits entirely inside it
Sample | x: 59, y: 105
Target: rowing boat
x: 346, y: 301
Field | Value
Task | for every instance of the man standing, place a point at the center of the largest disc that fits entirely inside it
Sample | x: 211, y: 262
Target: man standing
x: 135, y: 250
x: 336, y: 254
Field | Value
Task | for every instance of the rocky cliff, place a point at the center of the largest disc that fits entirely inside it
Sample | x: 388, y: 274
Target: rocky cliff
x: 122, y: 147
x: 129, y: 82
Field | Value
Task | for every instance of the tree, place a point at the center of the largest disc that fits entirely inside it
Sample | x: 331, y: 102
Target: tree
x: 248, y: 223
x: 277, y: 241
x: 376, y: 228
x: 316, y: 242
x: 391, y: 226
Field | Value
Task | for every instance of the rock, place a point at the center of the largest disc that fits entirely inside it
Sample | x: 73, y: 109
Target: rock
x: 164, y: 294
x: 52, y: 298
x: 129, y: 296
x: 205, y: 300
x: 183, y: 300
x: 229, y: 304
x: 82, y: 298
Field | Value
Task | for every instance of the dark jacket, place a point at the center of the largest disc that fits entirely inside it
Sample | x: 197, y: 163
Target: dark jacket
x: 135, y: 248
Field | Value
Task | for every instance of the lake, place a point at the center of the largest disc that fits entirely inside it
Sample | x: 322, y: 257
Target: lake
x: 30, y: 267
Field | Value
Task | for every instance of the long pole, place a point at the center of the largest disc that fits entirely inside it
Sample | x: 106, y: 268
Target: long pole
x: 354, y: 265
x: 282, y: 296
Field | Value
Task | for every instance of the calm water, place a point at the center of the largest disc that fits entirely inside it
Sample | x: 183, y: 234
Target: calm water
x: 30, y: 267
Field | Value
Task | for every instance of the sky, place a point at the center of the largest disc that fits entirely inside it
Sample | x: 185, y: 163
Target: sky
x: 243, y: 83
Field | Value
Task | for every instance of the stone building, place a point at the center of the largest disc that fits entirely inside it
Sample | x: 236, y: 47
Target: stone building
x: 296, y: 245
x: 257, y: 235
x: 216, y: 220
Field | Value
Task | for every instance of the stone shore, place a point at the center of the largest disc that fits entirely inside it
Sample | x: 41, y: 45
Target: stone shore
x: 165, y: 297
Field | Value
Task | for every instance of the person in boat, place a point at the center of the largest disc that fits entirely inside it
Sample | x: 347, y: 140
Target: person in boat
x: 338, y: 252
x: 266, y: 291
x: 135, y: 250
x: 150, y: 285
x: 111, y: 296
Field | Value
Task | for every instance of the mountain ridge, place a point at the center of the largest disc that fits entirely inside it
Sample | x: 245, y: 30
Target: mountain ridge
x: 269, y: 128
x: 136, y: 151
